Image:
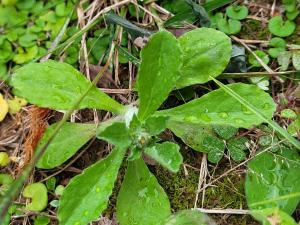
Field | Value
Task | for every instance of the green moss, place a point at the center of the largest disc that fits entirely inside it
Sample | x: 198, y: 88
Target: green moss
x: 253, y: 29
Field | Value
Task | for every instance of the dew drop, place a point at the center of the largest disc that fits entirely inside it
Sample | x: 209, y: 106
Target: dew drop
x: 223, y: 115
x: 205, y: 117
x: 238, y: 120
x: 246, y: 110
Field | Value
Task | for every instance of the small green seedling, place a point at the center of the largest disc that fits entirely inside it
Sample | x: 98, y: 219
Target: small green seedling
x: 278, y: 45
x: 41, y: 220
x: 59, y: 190
x: 237, y: 12
x: 215, y: 145
x: 230, y: 26
x: 4, y: 159
x: 167, y: 63
x: 262, y: 55
x: 290, y: 5
x: 281, y: 28
x: 37, y: 192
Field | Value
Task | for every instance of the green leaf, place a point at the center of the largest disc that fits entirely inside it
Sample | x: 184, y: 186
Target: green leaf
x: 70, y: 138
x: 281, y: 28
x: 25, y: 55
x: 191, y: 134
x: 229, y: 26
x: 261, y: 114
x: 237, y: 12
x: 271, y: 177
x: 206, y: 52
x: 284, y: 60
x: 158, y: 72
x: 288, y: 113
x: 39, y: 197
x: 271, y: 216
x: 225, y: 132
x: 58, y: 86
x: 114, y: 132
x: 167, y: 154
x: 87, y: 194
x: 41, y: 220
x: 262, y: 55
x: 141, y: 199
x: 156, y: 125
x: 188, y: 217
x: 236, y: 148
x: 214, y: 147
x: 296, y: 59
x: 218, y: 107
x: 28, y: 40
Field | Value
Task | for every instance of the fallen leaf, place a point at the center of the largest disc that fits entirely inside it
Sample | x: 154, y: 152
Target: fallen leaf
x: 3, y: 108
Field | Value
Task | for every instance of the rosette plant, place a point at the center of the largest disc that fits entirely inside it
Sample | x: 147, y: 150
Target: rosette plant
x: 166, y: 63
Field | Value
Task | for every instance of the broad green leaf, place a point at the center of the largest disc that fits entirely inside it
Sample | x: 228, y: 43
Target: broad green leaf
x: 141, y: 199
x: 281, y: 28
x: 58, y: 86
x: 167, y: 154
x: 218, y: 107
x: 189, y: 217
x: 70, y: 138
x: 260, y: 114
x: 206, y: 52
x: 158, y: 73
x: 156, y: 125
x: 191, y: 134
x: 87, y: 194
x: 272, y: 176
x: 272, y: 216
x: 114, y: 132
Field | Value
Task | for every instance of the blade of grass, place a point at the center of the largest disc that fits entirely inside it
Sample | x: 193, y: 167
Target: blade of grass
x: 248, y: 105
x: 213, y: 5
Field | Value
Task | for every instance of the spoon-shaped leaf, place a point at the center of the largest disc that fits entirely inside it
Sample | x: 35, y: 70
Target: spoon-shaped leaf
x: 237, y: 12
x: 70, y: 138
x: 58, y: 86
x: 159, y: 70
x: 219, y: 107
x: 87, y: 194
x: 230, y: 26
x: 206, y: 52
x: 141, y: 199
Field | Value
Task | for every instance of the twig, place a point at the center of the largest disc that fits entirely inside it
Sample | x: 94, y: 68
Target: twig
x: 224, y: 211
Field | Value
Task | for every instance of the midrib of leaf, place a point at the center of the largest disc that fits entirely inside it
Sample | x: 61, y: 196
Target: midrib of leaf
x: 244, y: 102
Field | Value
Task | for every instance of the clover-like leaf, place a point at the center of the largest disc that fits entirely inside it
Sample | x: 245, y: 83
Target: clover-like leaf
x: 206, y: 52
x: 288, y: 113
x: 25, y: 55
x: 293, y: 14
x: 229, y: 26
x: 69, y: 139
x: 281, y: 28
x: 237, y: 12
x: 158, y: 72
x: 225, y: 132
x: 278, y: 45
x: 114, y: 132
x: 6, y: 52
x: 236, y: 148
x: 141, y: 199
x: 38, y: 194
x: 28, y: 40
x: 189, y: 217
x: 59, y: 86
x: 262, y: 55
x: 87, y: 194
x: 167, y: 154
x: 271, y: 216
x: 271, y: 177
x: 214, y: 148
x: 218, y: 107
